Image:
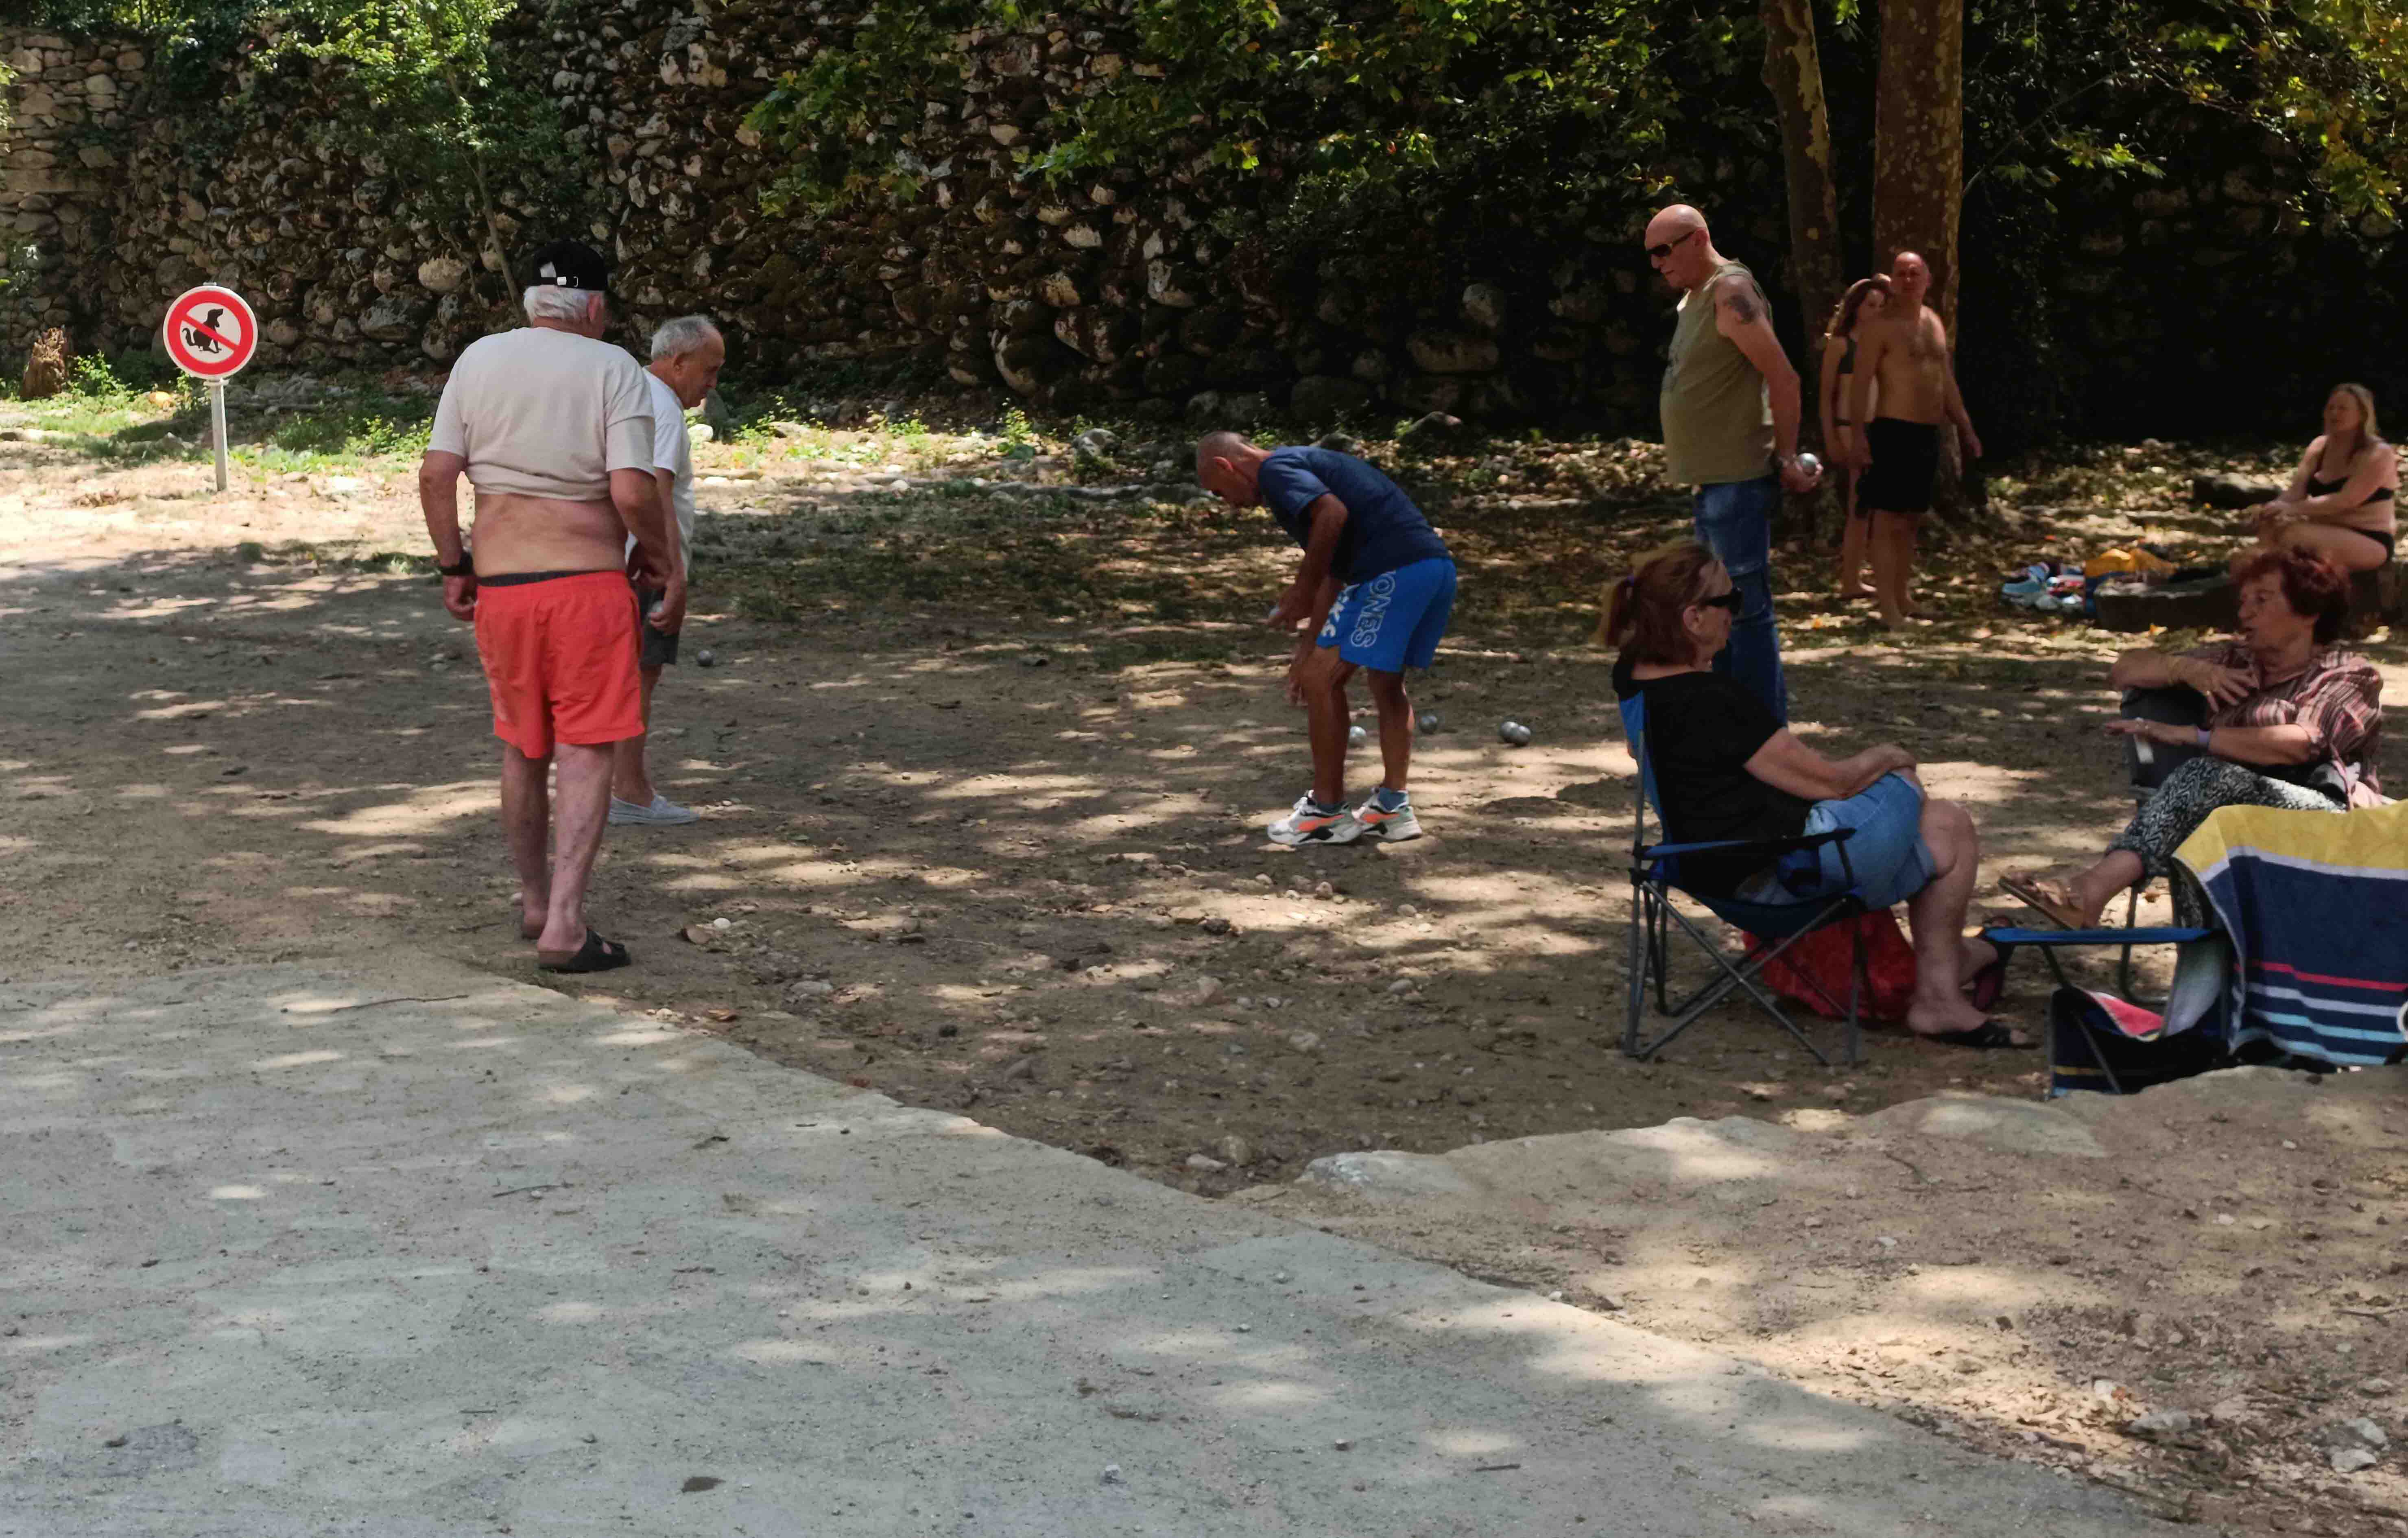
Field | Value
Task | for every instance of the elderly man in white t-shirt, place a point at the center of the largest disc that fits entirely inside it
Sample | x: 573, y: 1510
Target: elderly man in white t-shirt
x: 687, y: 356
x: 554, y: 427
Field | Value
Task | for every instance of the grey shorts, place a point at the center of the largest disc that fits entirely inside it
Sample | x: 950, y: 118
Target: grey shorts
x: 660, y: 647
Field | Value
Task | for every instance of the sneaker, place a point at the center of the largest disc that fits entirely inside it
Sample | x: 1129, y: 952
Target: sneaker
x: 1308, y: 823
x: 662, y: 813
x: 1394, y: 826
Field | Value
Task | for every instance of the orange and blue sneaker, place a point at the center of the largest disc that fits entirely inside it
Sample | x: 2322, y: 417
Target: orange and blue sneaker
x: 1313, y: 823
x: 1388, y: 817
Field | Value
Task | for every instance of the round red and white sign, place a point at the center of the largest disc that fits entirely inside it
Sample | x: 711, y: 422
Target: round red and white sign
x: 210, y: 332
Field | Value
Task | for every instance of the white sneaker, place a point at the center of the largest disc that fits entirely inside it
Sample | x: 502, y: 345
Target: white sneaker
x: 1393, y: 826
x: 1308, y: 823
x: 662, y: 813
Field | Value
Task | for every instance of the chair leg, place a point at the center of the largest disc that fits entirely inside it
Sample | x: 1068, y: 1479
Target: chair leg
x: 2131, y: 921
x: 1733, y: 978
x: 1855, y: 1041
x: 1641, y: 956
x: 1662, y: 958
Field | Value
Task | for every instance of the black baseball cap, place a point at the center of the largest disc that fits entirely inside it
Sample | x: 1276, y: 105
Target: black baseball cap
x: 571, y: 264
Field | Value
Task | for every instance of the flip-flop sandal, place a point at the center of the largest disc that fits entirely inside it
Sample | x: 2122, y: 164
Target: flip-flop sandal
x: 1989, y: 1036
x: 2024, y: 889
x: 596, y: 954
x: 1981, y: 989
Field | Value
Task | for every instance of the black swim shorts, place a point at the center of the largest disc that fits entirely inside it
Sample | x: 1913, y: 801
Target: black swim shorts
x: 660, y: 647
x: 1906, y: 462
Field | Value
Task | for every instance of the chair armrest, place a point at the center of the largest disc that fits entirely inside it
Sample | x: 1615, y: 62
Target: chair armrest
x: 1768, y: 848
x: 2163, y: 935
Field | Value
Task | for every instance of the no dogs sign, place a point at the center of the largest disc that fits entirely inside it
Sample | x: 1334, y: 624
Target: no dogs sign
x: 210, y: 332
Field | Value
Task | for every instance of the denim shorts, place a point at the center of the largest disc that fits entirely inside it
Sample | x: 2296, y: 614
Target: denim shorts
x: 1887, y: 853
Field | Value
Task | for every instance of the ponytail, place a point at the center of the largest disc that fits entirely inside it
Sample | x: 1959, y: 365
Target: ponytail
x: 1621, y: 610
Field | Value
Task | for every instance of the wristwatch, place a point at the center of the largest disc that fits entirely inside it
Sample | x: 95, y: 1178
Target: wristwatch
x: 467, y: 566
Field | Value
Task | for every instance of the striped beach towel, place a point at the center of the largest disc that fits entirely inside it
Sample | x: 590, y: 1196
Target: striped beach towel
x: 2316, y: 909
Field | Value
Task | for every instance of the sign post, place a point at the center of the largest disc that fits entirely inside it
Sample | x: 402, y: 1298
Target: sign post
x: 211, y: 333
x: 217, y: 428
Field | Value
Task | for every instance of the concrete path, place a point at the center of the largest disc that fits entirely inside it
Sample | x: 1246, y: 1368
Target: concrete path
x: 288, y: 1253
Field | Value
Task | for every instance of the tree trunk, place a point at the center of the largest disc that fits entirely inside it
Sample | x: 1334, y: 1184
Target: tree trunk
x: 1793, y: 72
x: 1919, y: 140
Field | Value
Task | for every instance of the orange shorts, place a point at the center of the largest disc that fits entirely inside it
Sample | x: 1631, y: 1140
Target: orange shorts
x: 560, y: 660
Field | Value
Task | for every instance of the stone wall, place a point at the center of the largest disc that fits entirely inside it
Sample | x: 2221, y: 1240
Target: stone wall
x: 60, y: 175
x: 1108, y: 292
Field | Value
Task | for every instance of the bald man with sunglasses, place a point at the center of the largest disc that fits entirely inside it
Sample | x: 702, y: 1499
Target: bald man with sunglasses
x: 1730, y: 405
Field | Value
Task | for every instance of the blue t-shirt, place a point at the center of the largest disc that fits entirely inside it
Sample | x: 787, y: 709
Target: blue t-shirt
x: 1383, y: 529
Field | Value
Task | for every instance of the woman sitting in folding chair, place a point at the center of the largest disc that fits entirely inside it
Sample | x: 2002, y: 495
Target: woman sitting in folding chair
x: 2284, y: 720
x: 1725, y: 769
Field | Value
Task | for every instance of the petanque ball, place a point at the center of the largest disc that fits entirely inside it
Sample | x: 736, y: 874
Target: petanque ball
x: 1427, y: 721
x: 706, y: 657
x: 1514, y: 734
x: 1356, y: 734
x: 1810, y: 464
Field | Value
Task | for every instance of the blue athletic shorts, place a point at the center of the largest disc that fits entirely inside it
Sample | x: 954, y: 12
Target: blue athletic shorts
x: 1393, y: 621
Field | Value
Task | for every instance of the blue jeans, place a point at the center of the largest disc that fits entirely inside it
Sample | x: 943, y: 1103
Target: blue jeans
x: 1734, y: 520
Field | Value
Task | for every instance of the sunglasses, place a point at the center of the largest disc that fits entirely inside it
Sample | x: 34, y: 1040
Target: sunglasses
x: 1721, y: 600
x: 1658, y: 253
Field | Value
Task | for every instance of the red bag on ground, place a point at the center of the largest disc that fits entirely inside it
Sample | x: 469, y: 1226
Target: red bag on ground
x: 1813, y: 973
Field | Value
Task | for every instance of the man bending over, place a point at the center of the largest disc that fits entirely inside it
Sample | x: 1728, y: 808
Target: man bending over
x: 1376, y: 586
x: 554, y: 427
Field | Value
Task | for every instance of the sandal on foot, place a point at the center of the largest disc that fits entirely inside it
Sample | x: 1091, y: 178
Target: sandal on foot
x: 2047, y: 898
x: 596, y: 954
x: 1989, y: 1036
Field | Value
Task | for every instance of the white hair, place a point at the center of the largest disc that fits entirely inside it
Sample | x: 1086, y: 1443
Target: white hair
x: 550, y: 302
x: 684, y: 335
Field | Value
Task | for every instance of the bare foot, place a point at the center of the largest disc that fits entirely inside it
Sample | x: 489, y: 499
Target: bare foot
x: 531, y: 929
x: 2058, y: 900
x: 1850, y: 595
x: 1941, y: 1017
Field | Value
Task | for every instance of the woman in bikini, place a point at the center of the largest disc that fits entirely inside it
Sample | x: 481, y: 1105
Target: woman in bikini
x: 2340, y: 503
x: 1863, y: 299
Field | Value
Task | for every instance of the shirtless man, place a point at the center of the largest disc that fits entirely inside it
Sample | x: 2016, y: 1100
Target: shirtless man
x: 554, y: 427
x: 1903, y: 354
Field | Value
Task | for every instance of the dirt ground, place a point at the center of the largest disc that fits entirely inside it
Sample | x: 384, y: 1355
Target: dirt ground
x: 983, y: 780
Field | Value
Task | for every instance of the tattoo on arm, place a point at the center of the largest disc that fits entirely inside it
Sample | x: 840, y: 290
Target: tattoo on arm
x: 1741, y: 301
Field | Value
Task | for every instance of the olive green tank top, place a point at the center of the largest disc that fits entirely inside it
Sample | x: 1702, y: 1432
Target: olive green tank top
x: 1718, y: 419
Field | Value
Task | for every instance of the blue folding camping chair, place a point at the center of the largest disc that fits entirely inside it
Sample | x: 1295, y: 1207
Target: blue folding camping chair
x: 1655, y: 876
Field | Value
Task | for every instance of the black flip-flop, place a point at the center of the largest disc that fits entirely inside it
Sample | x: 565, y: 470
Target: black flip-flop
x: 596, y: 954
x: 1989, y: 1036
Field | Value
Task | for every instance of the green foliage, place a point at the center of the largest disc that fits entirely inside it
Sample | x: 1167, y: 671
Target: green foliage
x: 415, y: 83
x: 2054, y: 86
x: 363, y: 428
x: 847, y: 117
x: 1018, y: 436
x: 115, y: 381
x: 421, y: 86
x: 1310, y: 106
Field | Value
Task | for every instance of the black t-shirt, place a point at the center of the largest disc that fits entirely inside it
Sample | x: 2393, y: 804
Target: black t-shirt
x: 1701, y: 730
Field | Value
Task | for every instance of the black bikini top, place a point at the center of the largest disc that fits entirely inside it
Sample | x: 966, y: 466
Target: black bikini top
x: 2320, y: 487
